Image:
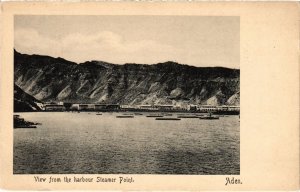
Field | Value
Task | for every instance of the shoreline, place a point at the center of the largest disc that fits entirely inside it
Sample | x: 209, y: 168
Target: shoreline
x: 139, y: 111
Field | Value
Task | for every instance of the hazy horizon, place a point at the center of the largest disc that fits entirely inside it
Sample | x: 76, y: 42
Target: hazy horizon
x: 191, y: 40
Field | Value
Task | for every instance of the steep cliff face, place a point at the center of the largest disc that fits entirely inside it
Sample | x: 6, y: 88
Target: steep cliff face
x: 23, y: 101
x: 56, y: 79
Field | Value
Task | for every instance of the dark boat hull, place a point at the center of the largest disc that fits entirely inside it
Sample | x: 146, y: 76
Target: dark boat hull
x: 128, y: 116
x: 26, y: 127
x: 226, y: 112
x: 168, y: 119
x: 209, y: 118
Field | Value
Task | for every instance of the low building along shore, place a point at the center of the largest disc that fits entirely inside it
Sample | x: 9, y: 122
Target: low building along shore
x: 60, y: 106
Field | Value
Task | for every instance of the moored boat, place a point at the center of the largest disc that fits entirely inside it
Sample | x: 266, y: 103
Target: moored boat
x: 26, y: 127
x: 154, y: 116
x: 227, y: 112
x: 124, y: 116
x: 209, y: 118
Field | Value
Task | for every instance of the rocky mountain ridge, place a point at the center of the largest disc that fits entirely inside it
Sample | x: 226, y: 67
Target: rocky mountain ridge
x: 56, y: 79
x: 24, y: 102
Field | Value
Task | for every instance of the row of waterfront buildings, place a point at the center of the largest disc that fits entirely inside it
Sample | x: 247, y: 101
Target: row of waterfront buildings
x: 60, y: 106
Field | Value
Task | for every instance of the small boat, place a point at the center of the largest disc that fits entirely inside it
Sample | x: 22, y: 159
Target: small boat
x: 209, y: 118
x: 167, y: 118
x: 127, y: 114
x: 227, y: 112
x: 99, y: 114
x: 26, y: 127
x: 124, y: 116
x: 154, y: 116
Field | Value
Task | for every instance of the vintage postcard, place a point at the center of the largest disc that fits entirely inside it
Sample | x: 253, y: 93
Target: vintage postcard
x: 149, y: 96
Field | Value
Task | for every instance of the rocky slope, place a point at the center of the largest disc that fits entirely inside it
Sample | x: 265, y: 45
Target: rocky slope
x: 56, y: 79
x: 23, y: 101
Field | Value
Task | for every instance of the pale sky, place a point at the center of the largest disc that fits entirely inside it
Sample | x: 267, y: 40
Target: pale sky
x: 193, y: 40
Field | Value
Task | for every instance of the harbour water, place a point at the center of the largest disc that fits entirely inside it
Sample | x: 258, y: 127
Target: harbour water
x: 86, y: 143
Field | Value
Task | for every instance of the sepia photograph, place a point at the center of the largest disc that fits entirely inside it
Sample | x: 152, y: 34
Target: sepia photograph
x: 149, y: 96
x: 126, y: 95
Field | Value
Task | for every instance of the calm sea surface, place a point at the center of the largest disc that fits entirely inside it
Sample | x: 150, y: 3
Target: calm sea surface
x: 103, y: 144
